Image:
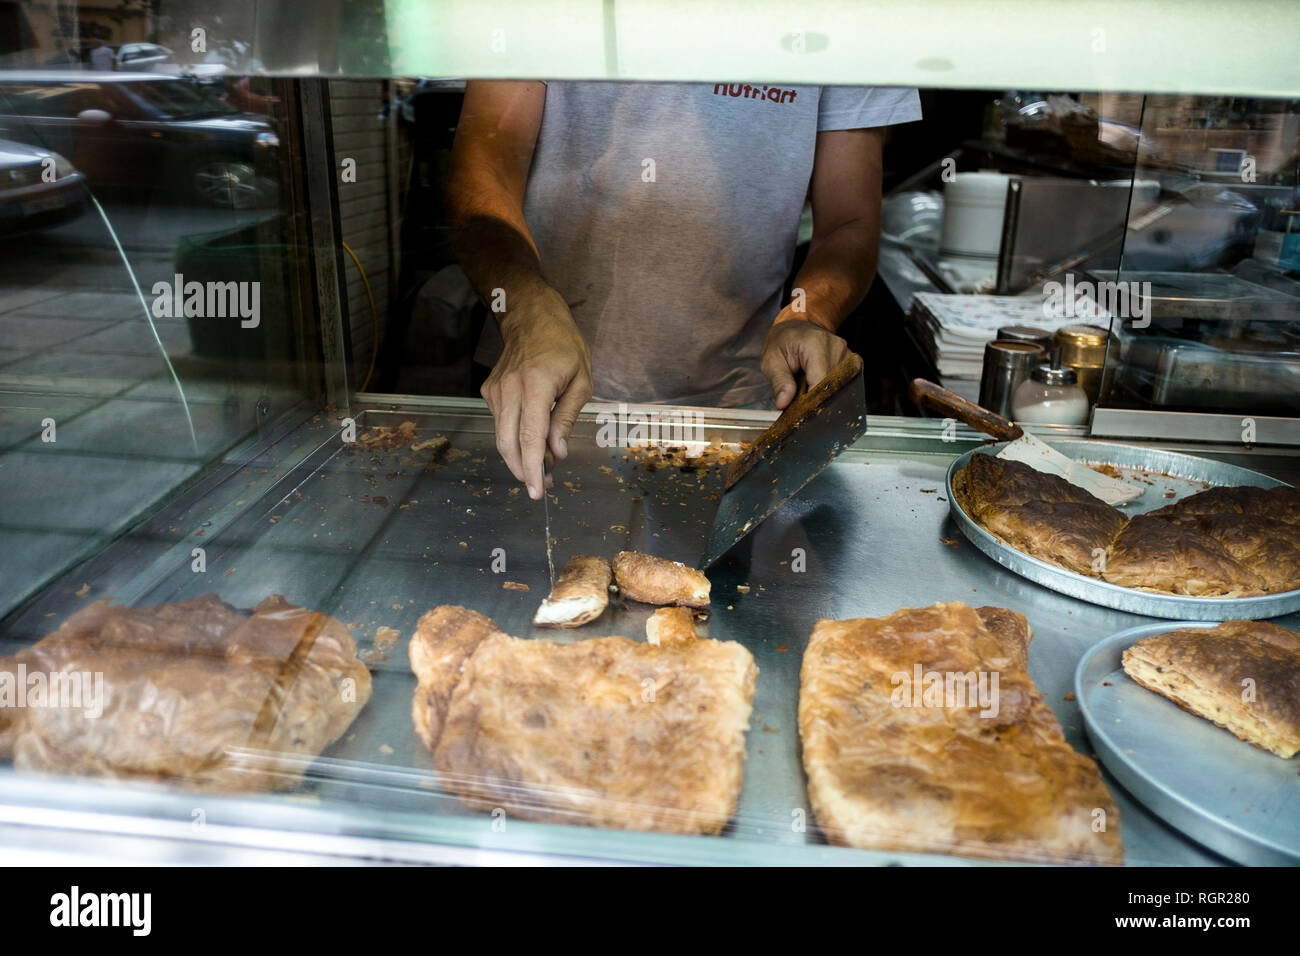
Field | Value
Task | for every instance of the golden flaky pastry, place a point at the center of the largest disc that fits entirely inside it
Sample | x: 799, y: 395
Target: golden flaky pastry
x: 1040, y: 514
x: 195, y: 693
x: 607, y: 731
x: 652, y: 580
x: 1222, y: 542
x: 1242, y: 675
x: 580, y: 595
x: 978, y: 769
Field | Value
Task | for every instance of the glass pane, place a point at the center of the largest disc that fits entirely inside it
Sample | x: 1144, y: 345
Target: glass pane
x: 1214, y: 261
x: 148, y: 326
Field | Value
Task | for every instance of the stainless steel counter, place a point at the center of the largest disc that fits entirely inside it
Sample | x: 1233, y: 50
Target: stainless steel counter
x: 378, y: 538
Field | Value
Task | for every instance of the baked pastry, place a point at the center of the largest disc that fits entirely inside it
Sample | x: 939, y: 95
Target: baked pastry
x: 1040, y: 514
x: 444, y: 639
x: 1221, y: 542
x: 652, y: 580
x: 923, y: 732
x: 1156, y: 554
x: 194, y: 693
x: 1268, y: 548
x: 670, y: 626
x: 606, y: 731
x: 1280, y: 503
x: 1242, y: 675
x: 580, y: 595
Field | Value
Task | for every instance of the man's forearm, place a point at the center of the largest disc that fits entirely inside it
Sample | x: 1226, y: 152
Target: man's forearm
x: 499, y: 260
x: 836, y: 275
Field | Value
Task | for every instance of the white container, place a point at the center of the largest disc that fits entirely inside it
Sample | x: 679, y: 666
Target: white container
x: 1050, y: 396
x: 973, y: 208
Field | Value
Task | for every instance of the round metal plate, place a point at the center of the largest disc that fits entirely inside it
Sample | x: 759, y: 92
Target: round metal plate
x: 1172, y: 476
x: 1224, y: 793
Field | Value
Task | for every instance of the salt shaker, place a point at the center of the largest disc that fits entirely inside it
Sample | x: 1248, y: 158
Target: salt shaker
x: 1051, y: 396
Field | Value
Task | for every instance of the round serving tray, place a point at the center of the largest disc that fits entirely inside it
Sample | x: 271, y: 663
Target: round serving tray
x: 1224, y: 793
x: 1172, y: 477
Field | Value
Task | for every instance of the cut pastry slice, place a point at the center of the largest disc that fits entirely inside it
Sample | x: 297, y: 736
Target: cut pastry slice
x: 670, y: 626
x: 922, y: 732
x: 606, y: 731
x: 1242, y: 675
x: 580, y: 595
x: 1039, y: 514
x: 1069, y: 534
x: 1281, y: 503
x: 652, y: 580
x: 444, y: 638
x: 1000, y: 482
x: 1172, y: 557
x: 1266, y: 546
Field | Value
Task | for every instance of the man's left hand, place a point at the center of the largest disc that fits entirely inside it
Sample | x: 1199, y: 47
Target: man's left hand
x: 798, y: 344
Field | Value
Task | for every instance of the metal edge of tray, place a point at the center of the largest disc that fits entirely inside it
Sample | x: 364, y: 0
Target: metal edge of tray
x: 1180, y: 812
x: 1094, y: 591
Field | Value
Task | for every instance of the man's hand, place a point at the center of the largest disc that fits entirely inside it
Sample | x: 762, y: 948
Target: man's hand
x: 545, y: 363
x: 796, y: 344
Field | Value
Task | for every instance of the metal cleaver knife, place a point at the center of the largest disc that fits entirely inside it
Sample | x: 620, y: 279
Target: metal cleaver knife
x: 812, y: 431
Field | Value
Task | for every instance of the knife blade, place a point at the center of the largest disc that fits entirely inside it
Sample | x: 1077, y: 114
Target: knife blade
x: 814, y: 429
x: 548, y: 467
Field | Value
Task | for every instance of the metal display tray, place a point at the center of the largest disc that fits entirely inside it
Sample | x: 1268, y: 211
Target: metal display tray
x: 1172, y: 477
x: 1222, y: 792
x: 375, y: 539
x: 1167, y: 371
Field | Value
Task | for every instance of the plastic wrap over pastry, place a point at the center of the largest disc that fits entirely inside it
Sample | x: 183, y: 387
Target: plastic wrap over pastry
x: 195, y: 693
x: 580, y: 595
x: 652, y: 580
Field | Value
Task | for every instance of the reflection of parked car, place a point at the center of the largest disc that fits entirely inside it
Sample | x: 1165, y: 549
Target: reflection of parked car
x: 142, y: 57
x: 38, y: 189
x: 154, y: 58
x: 141, y: 129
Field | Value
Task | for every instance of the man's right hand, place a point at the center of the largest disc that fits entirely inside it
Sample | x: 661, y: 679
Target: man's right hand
x: 539, y: 384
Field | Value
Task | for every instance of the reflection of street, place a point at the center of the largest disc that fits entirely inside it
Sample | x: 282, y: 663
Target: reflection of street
x: 79, y: 362
x: 81, y: 254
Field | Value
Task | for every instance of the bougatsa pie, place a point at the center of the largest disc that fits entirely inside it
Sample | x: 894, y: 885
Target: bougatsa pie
x: 1221, y: 542
x: 606, y: 731
x: 1242, y: 675
x: 194, y: 693
x: 949, y: 774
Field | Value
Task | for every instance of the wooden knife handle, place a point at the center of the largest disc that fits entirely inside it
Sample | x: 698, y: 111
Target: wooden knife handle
x: 939, y: 399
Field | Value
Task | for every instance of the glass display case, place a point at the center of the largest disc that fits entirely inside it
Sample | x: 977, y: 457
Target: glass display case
x: 245, y: 459
x: 1212, y: 267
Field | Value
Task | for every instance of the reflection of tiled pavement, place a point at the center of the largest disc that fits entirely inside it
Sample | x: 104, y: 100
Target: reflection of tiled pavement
x: 75, y: 346
x: 88, y: 359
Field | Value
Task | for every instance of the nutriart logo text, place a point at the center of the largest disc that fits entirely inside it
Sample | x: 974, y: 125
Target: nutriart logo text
x: 748, y: 91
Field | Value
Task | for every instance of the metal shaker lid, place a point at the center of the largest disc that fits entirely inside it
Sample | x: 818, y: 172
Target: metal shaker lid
x: 1055, y: 373
x: 1007, y: 354
x: 1083, y: 345
x: 1025, y: 333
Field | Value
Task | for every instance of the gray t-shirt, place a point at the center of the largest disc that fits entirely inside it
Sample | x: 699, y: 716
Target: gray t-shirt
x: 667, y: 214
